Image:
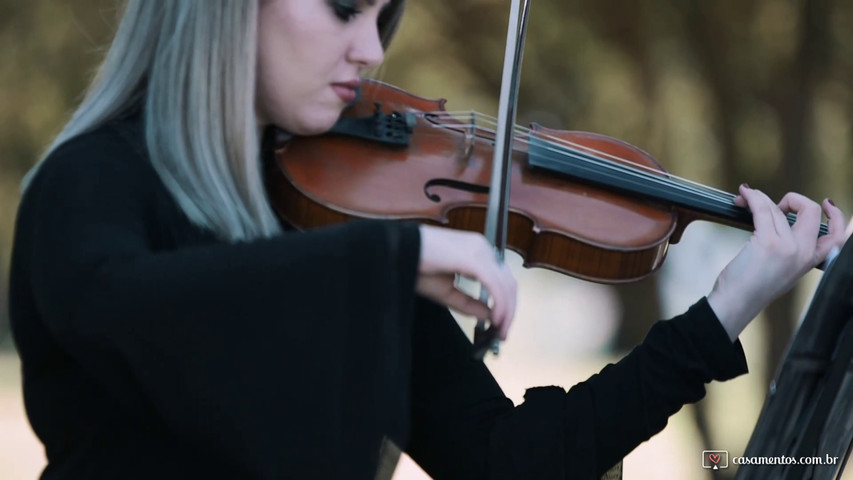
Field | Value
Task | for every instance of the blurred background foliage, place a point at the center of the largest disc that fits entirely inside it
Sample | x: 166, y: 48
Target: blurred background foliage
x: 721, y: 92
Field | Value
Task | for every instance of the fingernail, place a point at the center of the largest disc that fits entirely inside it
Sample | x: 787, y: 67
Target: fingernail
x: 830, y: 201
x: 745, y: 185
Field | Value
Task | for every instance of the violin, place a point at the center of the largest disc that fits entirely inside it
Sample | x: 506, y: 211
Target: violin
x: 581, y: 203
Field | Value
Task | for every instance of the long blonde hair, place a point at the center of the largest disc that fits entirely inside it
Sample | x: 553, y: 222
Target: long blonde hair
x: 190, y: 65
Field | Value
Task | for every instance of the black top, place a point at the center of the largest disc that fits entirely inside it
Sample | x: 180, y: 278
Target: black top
x: 151, y: 349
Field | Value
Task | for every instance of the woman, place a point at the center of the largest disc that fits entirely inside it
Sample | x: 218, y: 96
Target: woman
x: 170, y: 327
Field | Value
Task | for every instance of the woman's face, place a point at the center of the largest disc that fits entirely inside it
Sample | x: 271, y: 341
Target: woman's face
x: 311, y: 55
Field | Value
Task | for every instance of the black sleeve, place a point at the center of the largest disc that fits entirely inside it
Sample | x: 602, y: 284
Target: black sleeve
x: 465, y: 428
x: 283, y: 356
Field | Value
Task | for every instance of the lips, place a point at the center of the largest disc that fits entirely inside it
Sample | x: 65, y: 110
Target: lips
x: 347, y: 91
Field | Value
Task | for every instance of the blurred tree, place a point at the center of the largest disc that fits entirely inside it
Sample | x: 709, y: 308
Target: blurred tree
x: 4, y: 308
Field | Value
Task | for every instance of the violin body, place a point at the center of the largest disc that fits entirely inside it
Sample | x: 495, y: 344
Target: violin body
x: 442, y: 178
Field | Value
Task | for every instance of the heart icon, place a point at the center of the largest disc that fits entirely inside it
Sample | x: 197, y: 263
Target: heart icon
x: 714, y: 457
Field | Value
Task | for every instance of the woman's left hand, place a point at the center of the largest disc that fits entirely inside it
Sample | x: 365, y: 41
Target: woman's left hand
x: 775, y: 257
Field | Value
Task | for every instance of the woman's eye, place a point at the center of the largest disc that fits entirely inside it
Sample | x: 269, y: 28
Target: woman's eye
x: 345, y: 9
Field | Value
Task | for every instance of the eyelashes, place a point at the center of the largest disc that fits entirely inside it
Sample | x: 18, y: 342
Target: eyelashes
x: 345, y: 10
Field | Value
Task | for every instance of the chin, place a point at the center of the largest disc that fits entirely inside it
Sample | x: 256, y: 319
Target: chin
x: 316, y: 125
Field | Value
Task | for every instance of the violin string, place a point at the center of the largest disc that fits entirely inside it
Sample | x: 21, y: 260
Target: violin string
x: 640, y: 170
x: 589, y: 155
x: 645, y: 172
x: 625, y: 172
x: 656, y: 174
x: 627, y: 168
x: 682, y: 183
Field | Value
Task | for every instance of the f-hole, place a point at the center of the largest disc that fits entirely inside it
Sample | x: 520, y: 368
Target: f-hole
x: 455, y: 184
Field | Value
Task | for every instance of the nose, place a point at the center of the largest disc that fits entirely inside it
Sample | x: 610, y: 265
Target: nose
x: 366, y: 49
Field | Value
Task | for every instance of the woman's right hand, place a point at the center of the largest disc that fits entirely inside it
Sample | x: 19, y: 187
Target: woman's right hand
x: 446, y: 253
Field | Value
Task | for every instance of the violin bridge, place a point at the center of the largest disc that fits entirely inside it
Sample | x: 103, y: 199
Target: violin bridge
x: 470, y: 137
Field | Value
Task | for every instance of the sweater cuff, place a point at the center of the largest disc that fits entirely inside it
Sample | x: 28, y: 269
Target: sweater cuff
x: 724, y: 358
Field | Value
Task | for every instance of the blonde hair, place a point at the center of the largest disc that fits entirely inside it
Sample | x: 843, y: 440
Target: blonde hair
x: 190, y: 65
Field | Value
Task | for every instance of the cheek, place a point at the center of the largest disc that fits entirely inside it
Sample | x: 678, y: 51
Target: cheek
x: 293, y: 109
x: 292, y: 71
x: 273, y: 59
x: 265, y: 92
x: 276, y: 87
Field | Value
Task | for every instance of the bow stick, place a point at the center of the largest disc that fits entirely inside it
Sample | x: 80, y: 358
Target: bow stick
x: 485, y: 339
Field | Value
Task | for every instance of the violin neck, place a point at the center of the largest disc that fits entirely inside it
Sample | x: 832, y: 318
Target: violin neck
x: 657, y: 186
